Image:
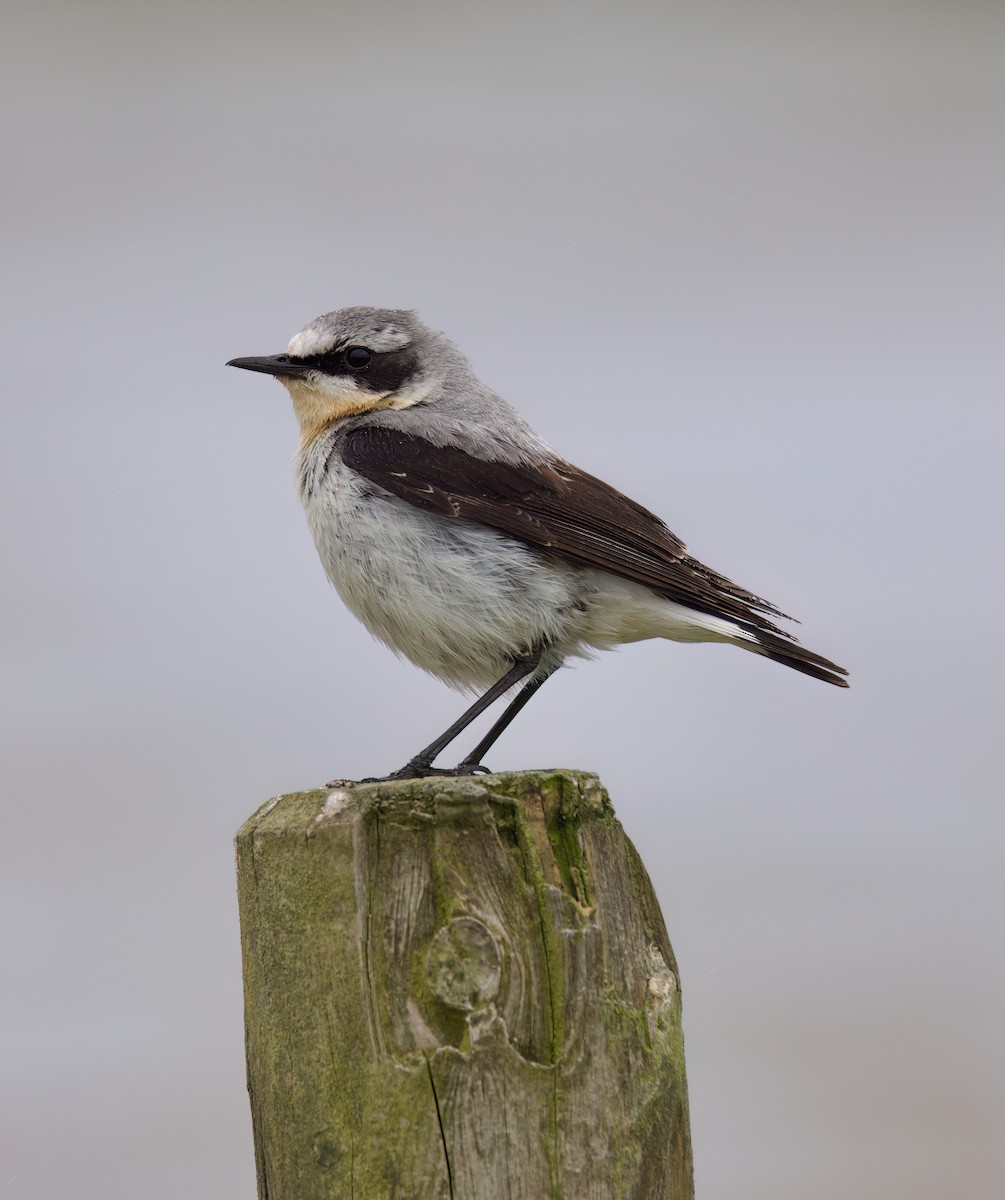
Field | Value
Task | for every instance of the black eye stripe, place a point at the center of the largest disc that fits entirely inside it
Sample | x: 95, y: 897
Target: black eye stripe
x: 387, y: 370
x: 332, y: 362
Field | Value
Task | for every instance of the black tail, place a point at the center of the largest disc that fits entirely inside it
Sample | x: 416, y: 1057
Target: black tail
x: 791, y: 654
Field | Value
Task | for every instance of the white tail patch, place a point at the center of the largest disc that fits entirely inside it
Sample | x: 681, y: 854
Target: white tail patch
x: 622, y: 611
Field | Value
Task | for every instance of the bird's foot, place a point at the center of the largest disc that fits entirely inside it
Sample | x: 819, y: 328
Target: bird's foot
x: 471, y: 768
x: 424, y: 770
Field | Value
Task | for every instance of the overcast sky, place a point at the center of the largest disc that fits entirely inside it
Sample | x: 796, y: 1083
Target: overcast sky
x: 743, y: 260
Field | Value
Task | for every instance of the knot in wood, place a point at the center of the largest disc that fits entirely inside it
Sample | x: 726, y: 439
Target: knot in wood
x: 464, y: 965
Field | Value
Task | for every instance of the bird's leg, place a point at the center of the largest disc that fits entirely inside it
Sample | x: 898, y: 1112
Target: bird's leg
x: 473, y: 761
x: 422, y: 764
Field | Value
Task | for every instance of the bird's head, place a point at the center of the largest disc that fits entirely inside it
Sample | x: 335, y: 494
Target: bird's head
x: 356, y: 360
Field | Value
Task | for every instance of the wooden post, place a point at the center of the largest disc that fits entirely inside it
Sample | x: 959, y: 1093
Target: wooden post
x: 459, y: 988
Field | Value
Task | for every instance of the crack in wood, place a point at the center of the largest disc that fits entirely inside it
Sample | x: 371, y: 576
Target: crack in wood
x: 439, y: 1121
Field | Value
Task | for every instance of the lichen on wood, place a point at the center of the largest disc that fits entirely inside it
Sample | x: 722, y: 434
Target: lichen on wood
x: 459, y: 988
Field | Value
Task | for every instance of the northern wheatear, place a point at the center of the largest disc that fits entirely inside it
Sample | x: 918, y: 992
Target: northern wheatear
x: 463, y: 541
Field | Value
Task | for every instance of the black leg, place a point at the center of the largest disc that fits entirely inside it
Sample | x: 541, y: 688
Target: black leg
x: 422, y: 763
x: 473, y: 762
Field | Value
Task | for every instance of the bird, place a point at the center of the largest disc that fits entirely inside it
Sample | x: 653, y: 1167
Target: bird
x: 463, y: 541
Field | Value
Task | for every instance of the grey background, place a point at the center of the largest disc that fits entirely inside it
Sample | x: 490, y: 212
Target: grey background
x: 743, y: 260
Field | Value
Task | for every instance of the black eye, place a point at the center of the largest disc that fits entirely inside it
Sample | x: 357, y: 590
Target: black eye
x: 358, y: 357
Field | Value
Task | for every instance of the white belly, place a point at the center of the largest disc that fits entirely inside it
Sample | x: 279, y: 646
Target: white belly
x: 457, y: 599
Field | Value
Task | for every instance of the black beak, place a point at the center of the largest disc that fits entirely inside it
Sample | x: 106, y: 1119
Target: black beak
x: 273, y: 364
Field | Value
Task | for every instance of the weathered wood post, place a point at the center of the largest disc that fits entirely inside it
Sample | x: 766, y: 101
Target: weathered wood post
x: 459, y: 988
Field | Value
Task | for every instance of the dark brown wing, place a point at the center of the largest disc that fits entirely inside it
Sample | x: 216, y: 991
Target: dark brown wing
x: 559, y: 508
